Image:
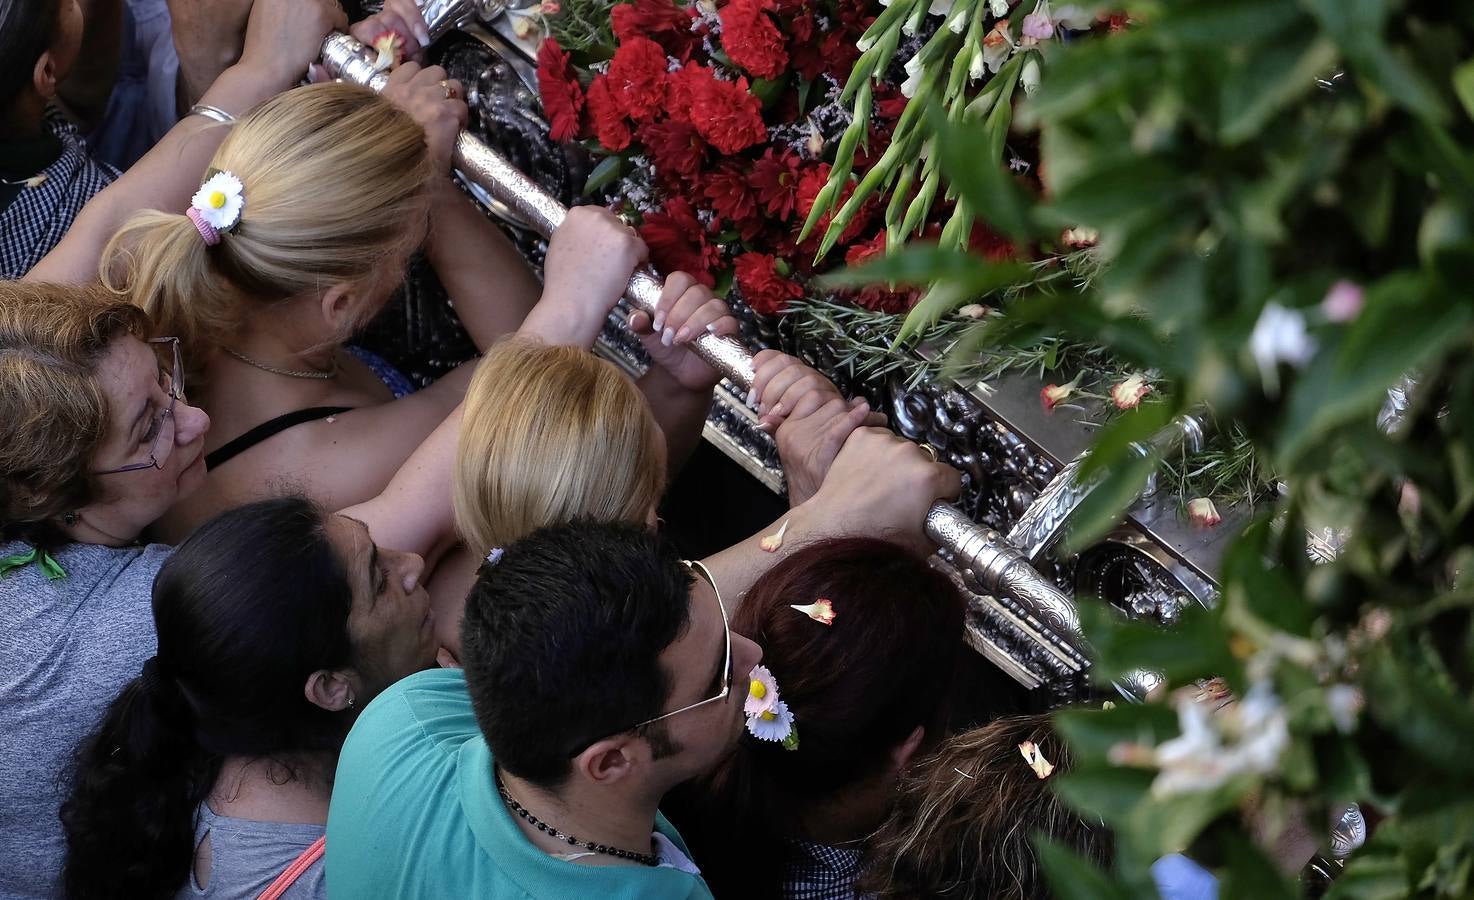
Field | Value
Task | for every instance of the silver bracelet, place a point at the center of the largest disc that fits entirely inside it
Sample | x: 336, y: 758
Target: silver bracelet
x: 213, y: 113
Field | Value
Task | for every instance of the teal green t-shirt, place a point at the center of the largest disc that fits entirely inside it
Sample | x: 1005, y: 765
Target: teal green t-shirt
x: 416, y: 815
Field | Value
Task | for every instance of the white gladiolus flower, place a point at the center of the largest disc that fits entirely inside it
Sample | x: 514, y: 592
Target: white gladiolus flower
x: 1247, y: 737
x: 908, y: 87
x: 999, y: 8
x: 1029, y: 77
x: 1279, y: 336
x: 940, y: 7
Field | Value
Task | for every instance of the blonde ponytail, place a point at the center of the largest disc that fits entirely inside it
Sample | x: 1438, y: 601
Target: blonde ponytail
x: 158, y: 260
x: 334, y: 183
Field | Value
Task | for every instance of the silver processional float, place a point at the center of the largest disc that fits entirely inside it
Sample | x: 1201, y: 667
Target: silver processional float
x: 987, y: 556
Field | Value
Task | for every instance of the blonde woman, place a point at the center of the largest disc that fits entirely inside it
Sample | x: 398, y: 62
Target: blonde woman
x: 312, y: 207
x: 548, y: 434
x: 551, y: 434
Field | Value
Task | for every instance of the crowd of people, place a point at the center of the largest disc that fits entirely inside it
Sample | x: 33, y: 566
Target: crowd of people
x: 279, y: 622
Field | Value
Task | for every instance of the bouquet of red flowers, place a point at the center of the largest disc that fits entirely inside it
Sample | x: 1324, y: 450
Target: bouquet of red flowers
x: 713, y: 122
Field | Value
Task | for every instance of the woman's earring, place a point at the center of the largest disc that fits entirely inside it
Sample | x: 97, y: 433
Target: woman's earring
x: 350, y: 702
x: 71, y: 518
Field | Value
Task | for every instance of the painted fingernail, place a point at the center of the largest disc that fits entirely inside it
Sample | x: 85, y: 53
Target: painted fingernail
x: 752, y: 396
x: 423, y: 35
x: 765, y: 426
x: 667, y: 336
x: 683, y: 335
x: 658, y: 321
x: 712, y: 327
x: 777, y: 411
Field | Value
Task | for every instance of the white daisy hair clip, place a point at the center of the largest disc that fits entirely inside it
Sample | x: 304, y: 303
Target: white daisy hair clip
x: 768, y: 718
x: 216, y: 207
x: 494, y: 556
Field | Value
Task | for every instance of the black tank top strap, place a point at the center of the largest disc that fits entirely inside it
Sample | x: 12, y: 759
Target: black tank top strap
x: 269, y: 428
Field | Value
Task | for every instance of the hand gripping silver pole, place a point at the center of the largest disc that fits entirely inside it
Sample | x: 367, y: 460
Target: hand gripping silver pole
x: 997, y: 566
x: 346, y: 58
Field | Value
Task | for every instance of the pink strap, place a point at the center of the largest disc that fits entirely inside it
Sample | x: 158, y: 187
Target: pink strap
x: 299, y: 865
x: 206, y: 230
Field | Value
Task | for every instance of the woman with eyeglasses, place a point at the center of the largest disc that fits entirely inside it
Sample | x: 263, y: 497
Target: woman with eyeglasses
x: 100, y: 440
x: 99, y: 443
x: 210, y: 773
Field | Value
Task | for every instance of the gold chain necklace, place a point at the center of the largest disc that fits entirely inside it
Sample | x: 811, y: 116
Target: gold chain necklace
x: 290, y: 373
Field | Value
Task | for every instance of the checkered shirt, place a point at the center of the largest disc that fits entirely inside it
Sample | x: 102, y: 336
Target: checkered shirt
x: 820, y: 872
x: 38, y: 217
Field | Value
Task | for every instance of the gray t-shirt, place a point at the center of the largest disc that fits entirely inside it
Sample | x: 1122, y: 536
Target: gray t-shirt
x: 67, y: 648
x: 246, y: 856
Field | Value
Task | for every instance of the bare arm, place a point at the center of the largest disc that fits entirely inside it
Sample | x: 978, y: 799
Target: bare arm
x: 489, y: 284
x: 851, y: 501
x: 413, y: 512
x: 208, y: 36
x: 283, y: 37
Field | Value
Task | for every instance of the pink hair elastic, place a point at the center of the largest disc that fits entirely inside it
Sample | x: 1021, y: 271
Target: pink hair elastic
x: 206, y: 230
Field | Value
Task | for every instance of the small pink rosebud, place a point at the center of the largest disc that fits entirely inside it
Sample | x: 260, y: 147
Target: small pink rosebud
x: 1409, y: 500
x: 1128, y: 393
x: 1038, y: 26
x: 1203, y: 513
x: 1053, y: 395
x: 1343, y: 302
x: 551, y: 7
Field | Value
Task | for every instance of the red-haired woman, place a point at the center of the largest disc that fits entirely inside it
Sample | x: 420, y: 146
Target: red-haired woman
x: 867, y: 678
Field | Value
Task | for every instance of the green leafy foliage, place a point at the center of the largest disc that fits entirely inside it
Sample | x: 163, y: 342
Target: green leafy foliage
x: 1244, y: 163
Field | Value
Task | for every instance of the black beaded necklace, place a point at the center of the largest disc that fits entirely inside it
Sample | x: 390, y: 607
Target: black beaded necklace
x: 647, y: 859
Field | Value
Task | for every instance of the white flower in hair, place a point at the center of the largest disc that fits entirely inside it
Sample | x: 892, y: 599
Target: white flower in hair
x: 774, y: 724
x: 219, y: 201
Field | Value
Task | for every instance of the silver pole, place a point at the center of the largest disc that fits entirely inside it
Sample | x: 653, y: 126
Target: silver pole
x: 997, y: 565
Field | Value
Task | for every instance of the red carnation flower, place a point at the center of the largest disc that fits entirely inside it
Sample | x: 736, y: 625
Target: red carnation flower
x: 801, y: 27
x: 637, y: 77
x: 607, y: 115
x: 876, y: 297
x: 840, y: 52
x: 676, y: 148
x: 730, y: 118
x: 681, y: 89
x: 662, y: 21
x: 810, y: 182
x: 731, y: 198
x: 765, y: 290
x: 752, y: 40
x: 775, y: 178
x: 562, y: 97
x: 889, y: 103
x: 989, y: 244
x: 677, y: 242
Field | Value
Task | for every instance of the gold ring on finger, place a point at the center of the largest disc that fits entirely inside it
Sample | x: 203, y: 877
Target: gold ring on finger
x: 449, y: 91
x: 930, y: 451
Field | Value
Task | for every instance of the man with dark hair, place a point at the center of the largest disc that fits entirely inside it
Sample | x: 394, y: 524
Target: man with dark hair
x: 599, y: 672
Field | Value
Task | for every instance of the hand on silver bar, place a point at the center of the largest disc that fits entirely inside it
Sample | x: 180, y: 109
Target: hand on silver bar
x: 995, y: 565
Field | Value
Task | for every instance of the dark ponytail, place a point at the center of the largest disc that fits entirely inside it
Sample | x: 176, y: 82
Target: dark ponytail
x: 246, y: 609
